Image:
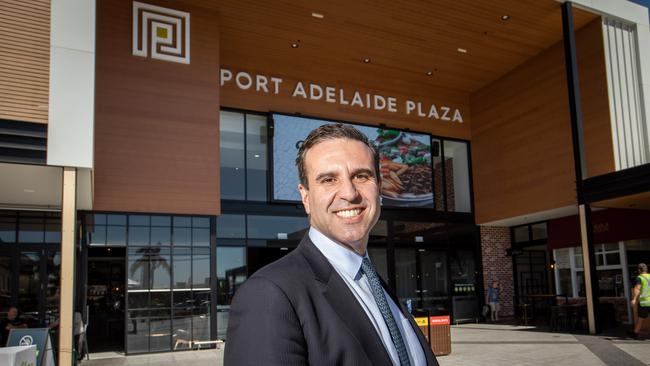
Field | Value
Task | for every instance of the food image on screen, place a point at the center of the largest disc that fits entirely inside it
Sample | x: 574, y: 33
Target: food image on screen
x: 405, y: 167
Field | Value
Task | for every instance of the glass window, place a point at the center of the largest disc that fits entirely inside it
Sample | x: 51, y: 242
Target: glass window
x: 201, y: 268
x: 116, y: 235
x: 138, y: 332
x: 116, y: 220
x: 379, y: 261
x: 7, y: 230
x: 233, y: 182
x: 138, y: 235
x: 161, y: 236
x: 31, y: 227
x: 457, y: 176
x: 201, y: 222
x: 182, y: 221
x: 201, y: 316
x: 201, y: 237
x: 160, y: 262
x: 256, y: 157
x: 273, y: 227
x: 182, y: 268
x: 96, y: 234
x: 521, y: 234
x: 539, y: 231
x: 231, y: 226
x: 139, y: 220
x: 139, y: 275
x: 161, y: 221
x: 231, y: 272
x: 182, y: 236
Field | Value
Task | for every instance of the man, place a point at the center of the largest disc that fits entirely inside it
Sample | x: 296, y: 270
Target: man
x: 640, y: 298
x: 11, y: 322
x: 323, y: 303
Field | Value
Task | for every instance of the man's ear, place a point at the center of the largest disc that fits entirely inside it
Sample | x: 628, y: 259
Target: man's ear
x: 304, y: 194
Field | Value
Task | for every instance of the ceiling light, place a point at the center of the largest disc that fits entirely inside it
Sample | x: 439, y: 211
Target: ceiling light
x: 295, y: 44
x: 318, y: 15
x: 429, y: 73
x: 366, y: 60
x: 462, y: 50
x: 29, y: 190
x: 505, y: 17
x: 257, y: 155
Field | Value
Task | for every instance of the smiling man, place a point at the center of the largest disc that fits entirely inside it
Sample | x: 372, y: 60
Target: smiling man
x: 324, y: 304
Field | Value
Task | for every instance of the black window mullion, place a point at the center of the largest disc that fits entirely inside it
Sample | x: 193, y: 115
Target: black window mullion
x: 245, y: 157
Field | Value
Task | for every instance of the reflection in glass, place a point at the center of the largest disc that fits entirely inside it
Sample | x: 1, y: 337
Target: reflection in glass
x: 231, y: 226
x: 231, y: 272
x: 379, y: 261
x: 53, y: 285
x: 201, y: 316
x: 434, y: 278
x: 268, y: 227
x: 5, y: 276
x: 201, y: 268
x: 182, y: 330
x: 137, y: 340
x: 256, y: 159
x: 233, y: 183
x: 116, y: 235
x: 182, y: 268
x: 182, y: 236
x: 160, y: 333
x: 138, y: 235
x: 160, y: 235
x: 405, y: 275
x: 457, y: 176
x: 201, y: 237
x: 29, y: 282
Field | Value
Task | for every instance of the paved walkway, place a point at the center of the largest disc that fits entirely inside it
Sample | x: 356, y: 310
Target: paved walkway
x: 472, y: 344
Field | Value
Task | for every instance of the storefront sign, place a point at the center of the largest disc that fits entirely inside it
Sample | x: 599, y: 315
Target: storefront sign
x: 422, y: 322
x: 309, y: 91
x: 405, y: 161
x: 39, y: 337
x: 440, y: 320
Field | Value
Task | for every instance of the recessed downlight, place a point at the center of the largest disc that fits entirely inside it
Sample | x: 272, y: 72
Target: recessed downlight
x: 295, y: 44
x: 505, y: 17
x: 429, y: 73
x: 366, y: 60
x: 462, y: 50
x: 318, y: 15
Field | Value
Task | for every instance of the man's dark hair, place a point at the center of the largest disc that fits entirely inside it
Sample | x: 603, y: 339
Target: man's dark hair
x: 642, y: 267
x: 332, y: 131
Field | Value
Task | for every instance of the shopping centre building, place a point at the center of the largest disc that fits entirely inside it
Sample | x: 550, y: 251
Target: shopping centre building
x: 147, y: 147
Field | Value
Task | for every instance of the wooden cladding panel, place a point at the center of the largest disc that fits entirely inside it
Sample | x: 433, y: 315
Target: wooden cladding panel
x: 522, y: 155
x: 403, y: 39
x: 156, y: 122
x: 24, y: 60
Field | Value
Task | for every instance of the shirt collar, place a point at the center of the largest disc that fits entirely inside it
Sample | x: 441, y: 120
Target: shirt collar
x: 345, y: 260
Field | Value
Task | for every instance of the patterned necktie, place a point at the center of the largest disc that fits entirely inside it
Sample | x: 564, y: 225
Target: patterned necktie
x: 382, y: 304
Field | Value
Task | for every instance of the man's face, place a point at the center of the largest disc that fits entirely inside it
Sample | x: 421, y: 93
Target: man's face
x: 343, y: 196
x: 12, y: 313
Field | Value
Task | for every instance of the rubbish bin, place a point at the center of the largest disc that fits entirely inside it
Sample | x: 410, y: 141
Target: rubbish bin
x: 440, y: 334
x: 421, y: 318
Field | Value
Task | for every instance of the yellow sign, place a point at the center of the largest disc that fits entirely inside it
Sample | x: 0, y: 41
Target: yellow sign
x: 422, y: 322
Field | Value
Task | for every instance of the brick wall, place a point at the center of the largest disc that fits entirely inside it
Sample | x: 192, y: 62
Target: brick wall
x: 497, y: 265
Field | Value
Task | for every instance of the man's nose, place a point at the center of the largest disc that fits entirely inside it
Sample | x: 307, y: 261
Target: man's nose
x: 348, y: 191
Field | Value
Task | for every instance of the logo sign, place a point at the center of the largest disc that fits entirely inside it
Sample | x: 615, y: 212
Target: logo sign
x: 440, y: 320
x: 161, y: 33
x: 26, y: 341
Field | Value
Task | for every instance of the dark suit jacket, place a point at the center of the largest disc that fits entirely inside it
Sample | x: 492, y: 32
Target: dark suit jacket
x: 299, y: 311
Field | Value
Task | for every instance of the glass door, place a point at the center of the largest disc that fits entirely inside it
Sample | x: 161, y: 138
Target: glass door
x: 421, y: 276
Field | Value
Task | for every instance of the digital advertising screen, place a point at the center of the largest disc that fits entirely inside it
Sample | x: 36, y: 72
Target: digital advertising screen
x: 405, y: 161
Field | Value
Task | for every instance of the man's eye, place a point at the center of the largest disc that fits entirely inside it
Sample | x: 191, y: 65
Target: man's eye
x: 362, y: 177
x: 327, y: 180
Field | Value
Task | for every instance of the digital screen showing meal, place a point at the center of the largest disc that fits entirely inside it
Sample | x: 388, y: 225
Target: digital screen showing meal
x: 405, y: 161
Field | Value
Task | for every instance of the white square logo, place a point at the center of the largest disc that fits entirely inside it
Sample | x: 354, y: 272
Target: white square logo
x: 161, y: 33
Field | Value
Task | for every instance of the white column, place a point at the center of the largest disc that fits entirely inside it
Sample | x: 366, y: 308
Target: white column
x: 66, y: 305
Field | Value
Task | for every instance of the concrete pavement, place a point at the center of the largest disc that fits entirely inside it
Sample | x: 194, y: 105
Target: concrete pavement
x: 472, y: 344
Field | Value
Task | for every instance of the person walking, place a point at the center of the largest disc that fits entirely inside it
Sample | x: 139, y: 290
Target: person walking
x: 640, y: 298
x: 492, y: 298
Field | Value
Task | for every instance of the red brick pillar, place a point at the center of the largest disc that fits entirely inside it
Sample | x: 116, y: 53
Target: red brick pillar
x: 497, y: 265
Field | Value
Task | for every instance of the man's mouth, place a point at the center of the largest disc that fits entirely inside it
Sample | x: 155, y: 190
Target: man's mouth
x: 349, y: 213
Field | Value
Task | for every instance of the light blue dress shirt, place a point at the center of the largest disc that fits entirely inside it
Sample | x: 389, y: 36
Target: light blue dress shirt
x: 347, y: 264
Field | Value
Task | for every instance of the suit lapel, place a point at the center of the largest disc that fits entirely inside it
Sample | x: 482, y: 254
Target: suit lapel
x: 341, y: 299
